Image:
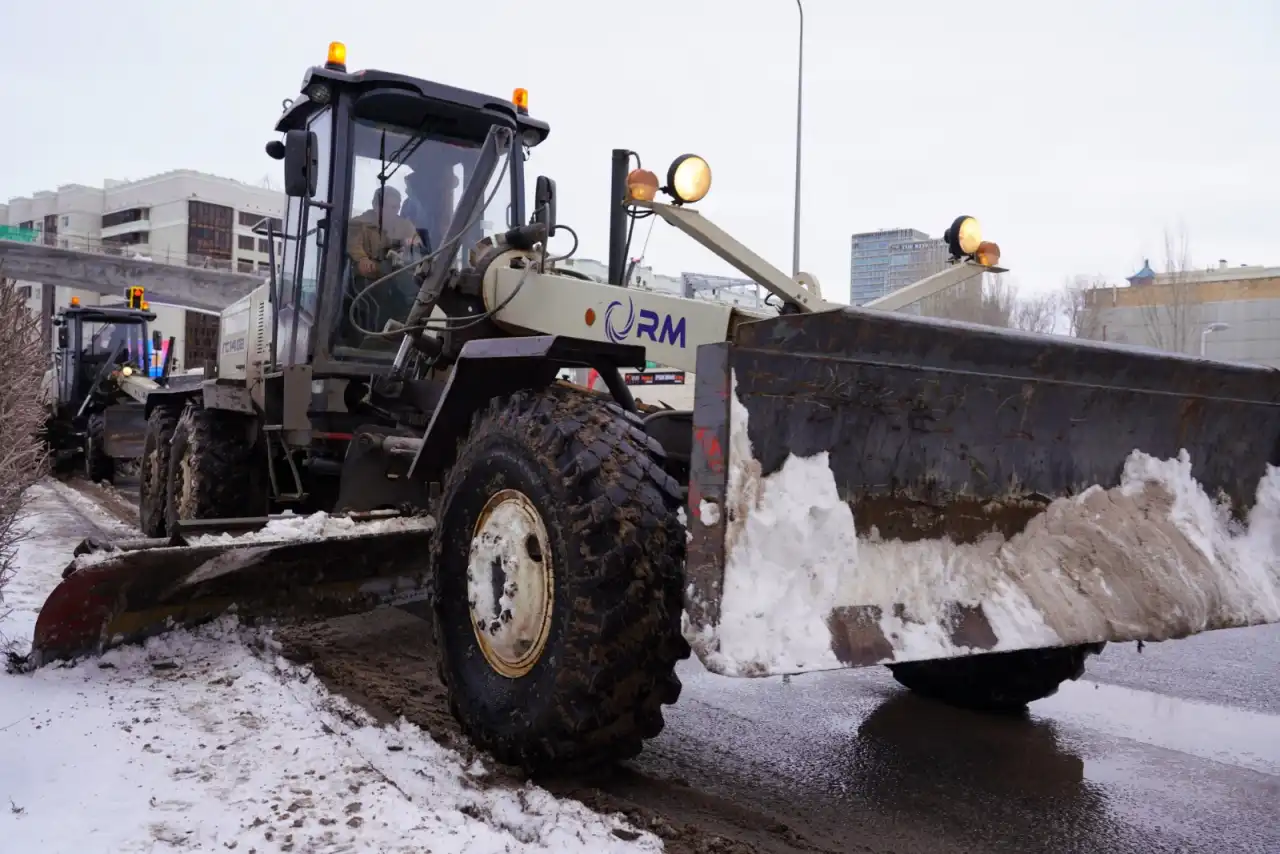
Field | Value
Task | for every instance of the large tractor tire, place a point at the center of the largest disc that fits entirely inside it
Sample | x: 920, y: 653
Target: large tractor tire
x: 153, y: 470
x: 559, y: 564
x: 214, y: 472
x: 998, y: 681
x: 97, y: 465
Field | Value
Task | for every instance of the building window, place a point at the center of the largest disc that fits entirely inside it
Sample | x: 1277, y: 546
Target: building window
x: 249, y: 219
x: 209, y: 229
x: 264, y: 245
x: 24, y: 291
x: 244, y: 241
x: 244, y: 266
x: 131, y: 238
x: 66, y: 220
x: 125, y: 216
x: 29, y: 225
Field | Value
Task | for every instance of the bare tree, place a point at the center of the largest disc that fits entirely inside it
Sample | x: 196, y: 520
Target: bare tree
x: 22, y: 451
x: 988, y: 300
x: 1169, y: 304
x: 1081, y: 308
x: 1037, y: 313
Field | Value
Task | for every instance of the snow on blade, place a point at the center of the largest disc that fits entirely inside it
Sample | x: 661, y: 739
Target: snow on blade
x: 1153, y: 558
x: 316, y: 526
x: 210, y: 741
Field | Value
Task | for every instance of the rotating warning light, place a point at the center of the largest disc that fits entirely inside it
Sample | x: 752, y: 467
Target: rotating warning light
x: 963, y: 237
x: 75, y: 302
x: 134, y: 297
x: 337, y: 58
x: 520, y: 97
x: 688, y: 179
x: 642, y: 185
x: 988, y: 254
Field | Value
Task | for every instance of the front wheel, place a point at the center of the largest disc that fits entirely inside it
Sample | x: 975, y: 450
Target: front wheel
x: 997, y: 681
x: 558, y: 561
x: 97, y: 465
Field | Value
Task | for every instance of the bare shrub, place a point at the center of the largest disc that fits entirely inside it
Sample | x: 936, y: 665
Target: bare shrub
x: 23, y: 362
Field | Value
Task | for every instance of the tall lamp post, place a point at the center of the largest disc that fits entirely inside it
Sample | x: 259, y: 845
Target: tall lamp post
x: 1210, y: 327
x: 795, y: 235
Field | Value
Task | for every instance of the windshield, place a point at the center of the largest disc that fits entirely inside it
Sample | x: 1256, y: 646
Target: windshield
x: 405, y: 187
x: 98, y: 338
x: 423, y: 178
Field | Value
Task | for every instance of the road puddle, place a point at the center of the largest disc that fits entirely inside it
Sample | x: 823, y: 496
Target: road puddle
x: 1236, y: 737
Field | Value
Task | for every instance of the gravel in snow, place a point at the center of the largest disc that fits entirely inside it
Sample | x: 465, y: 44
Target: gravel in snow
x: 209, y: 740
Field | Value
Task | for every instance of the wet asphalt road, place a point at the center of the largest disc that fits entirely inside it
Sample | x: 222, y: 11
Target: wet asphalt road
x: 1173, y: 749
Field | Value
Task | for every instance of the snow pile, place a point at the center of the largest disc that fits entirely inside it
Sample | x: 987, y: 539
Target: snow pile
x: 208, y: 740
x: 196, y: 742
x: 1153, y: 558
x: 315, y: 527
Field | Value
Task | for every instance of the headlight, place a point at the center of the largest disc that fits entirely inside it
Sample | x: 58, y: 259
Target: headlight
x: 964, y: 236
x: 689, y: 179
x: 127, y: 371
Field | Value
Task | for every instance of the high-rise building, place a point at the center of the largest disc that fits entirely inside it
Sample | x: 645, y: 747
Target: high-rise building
x: 884, y: 261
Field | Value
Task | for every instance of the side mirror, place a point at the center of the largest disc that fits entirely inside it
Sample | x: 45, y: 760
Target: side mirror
x: 301, y: 163
x: 544, y: 203
x: 62, y: 337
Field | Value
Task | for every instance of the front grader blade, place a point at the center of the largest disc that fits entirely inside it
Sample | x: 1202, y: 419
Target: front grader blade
x: 125, y: 595
x: 870, y: 488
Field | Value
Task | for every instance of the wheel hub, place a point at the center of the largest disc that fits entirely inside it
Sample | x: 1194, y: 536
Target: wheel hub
x: 510, y: 583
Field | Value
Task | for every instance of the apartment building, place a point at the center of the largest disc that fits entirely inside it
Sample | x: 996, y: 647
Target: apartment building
x: 181, y: 217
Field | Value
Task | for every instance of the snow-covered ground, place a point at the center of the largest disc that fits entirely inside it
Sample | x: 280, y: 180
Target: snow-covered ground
x: 209, y: 740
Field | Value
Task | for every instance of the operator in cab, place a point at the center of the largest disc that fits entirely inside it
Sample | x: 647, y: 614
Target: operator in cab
x: 429, y: 205
x: 380, y: 241
x: 380, y: 234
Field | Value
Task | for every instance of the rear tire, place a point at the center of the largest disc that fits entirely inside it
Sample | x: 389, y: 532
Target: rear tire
x: 97, y: 465
x: 153, y: 470
x: 998, y: 681
x: 213, y: 471
x: 579, y: 677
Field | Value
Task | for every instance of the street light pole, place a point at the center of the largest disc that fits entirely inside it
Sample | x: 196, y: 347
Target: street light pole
x: 1204, y: 334
x: 795, y: 236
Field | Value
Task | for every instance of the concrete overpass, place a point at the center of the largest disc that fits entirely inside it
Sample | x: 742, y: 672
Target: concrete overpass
x: 191, y: 287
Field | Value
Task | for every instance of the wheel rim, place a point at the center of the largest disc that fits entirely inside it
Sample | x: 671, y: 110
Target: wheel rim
x: 510, y: 580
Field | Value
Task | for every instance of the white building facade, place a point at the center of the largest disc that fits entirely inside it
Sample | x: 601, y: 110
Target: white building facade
x: 181, y: 217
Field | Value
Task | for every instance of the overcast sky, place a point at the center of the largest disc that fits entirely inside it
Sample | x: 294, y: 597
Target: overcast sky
x: 1076, y: 132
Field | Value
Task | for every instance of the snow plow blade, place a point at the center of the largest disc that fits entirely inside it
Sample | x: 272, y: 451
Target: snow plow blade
x: 869, y: 488
x: 125, y: 595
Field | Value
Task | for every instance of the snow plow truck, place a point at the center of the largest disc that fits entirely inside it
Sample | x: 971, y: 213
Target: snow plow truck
x: 976, y: 508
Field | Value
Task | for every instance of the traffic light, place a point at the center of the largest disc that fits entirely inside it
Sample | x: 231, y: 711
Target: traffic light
x: 134, y: 295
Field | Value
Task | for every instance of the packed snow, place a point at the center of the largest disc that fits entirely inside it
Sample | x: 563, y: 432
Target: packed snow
x: 1153, y: 558
x: 314, y: 527
x: 209, y: 740
x: 287, y: 528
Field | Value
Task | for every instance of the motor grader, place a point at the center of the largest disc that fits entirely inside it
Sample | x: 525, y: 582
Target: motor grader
x: 852, y: 487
